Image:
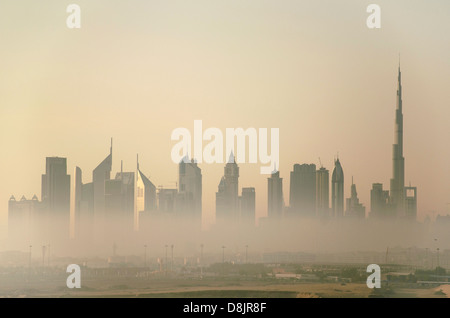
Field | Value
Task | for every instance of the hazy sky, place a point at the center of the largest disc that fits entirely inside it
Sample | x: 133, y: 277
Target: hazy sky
x: 136, y: 70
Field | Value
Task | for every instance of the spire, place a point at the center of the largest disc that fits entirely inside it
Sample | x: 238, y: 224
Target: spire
x: 231, y: 158
x: 121, y: 169
x: 137, y: 161
x: 110, y: 149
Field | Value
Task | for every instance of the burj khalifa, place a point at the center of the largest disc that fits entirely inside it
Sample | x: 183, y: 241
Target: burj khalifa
x: 398, y: 161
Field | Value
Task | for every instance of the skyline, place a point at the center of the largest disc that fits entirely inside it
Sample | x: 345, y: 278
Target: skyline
x: 67, y: 98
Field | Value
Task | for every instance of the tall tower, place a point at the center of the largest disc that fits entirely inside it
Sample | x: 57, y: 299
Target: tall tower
x: 302, y: 190
x: 227, y: 197
x: 56, y: 188
x: 189, y: 199
x: 337, y: 190
x: 322, y: 192
x: 100, y: 175
x: 398, y: 161
x: 275, y: 202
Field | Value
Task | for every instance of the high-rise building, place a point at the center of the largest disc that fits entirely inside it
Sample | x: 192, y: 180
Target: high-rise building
x: 189, y: 198
x: 337, y: 190
x: 166, y: 200
x: 247, y: 200
x: 302, y: 191
x: 322, y: 192
x: 410, y: 196
x: 227, y: 196
x: 81, y: 208
x: 56, y: 199
x: 100, y: 175
x: 75, y: 202
x: 24, y: 217
x: 56, y: 188
x: 145, y: 196
x: 354, y: 208
x: 379, y: 201
x: 398, y: 161
x: 275, y: 201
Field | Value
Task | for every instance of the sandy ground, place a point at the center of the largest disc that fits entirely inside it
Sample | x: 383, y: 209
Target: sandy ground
x: 208, y: 288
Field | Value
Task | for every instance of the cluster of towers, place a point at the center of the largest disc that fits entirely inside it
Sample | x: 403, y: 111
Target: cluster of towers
x: 309, y: 187
x: 130, y: 199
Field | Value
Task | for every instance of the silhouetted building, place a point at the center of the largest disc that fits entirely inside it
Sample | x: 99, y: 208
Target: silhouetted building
x: 247, y: 200
x: 75, y: 202
x: 354, y: 208
x: 100, y: 175
x: 119, y: 199
x: 56, y: 198
x: 302, y: 192
x: 145, y: 196
x: 275, y: 200
x: 410, y: 196
x: 322, y: 192
x: 398, y: 170
x: 379, y: 201
x: 56, y: 188
x: 337, y: 190
x: 24, y: 219
x: 166, y: 200
x: 227, y: 197
x: 189, y: 198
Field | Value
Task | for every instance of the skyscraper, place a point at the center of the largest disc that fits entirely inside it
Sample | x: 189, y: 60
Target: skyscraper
x: 398, y: 161
x: 302, y: 191
x: 189, y: 198
x: 100, y: 174
x: 322, y: 192
x: 145, y: 196
x: 410, y: 196
x: 56, y: 188
x: 75, y: 202
x: 354, y: 207
x: 81, y: 208
x: 24, y: 219
x: 275, y: 201
x: 337, y: 190
x: 227, y: 196
x: 379, y: 201
x: 247, y: 200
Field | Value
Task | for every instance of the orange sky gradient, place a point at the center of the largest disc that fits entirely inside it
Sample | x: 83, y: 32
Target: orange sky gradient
x: 136, y: 70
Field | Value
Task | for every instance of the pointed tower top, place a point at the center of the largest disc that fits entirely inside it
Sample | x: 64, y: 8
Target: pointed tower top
x: 275, y: 170
x: 110, y: 149
x: 137, y: 161
x: 231, y: 157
